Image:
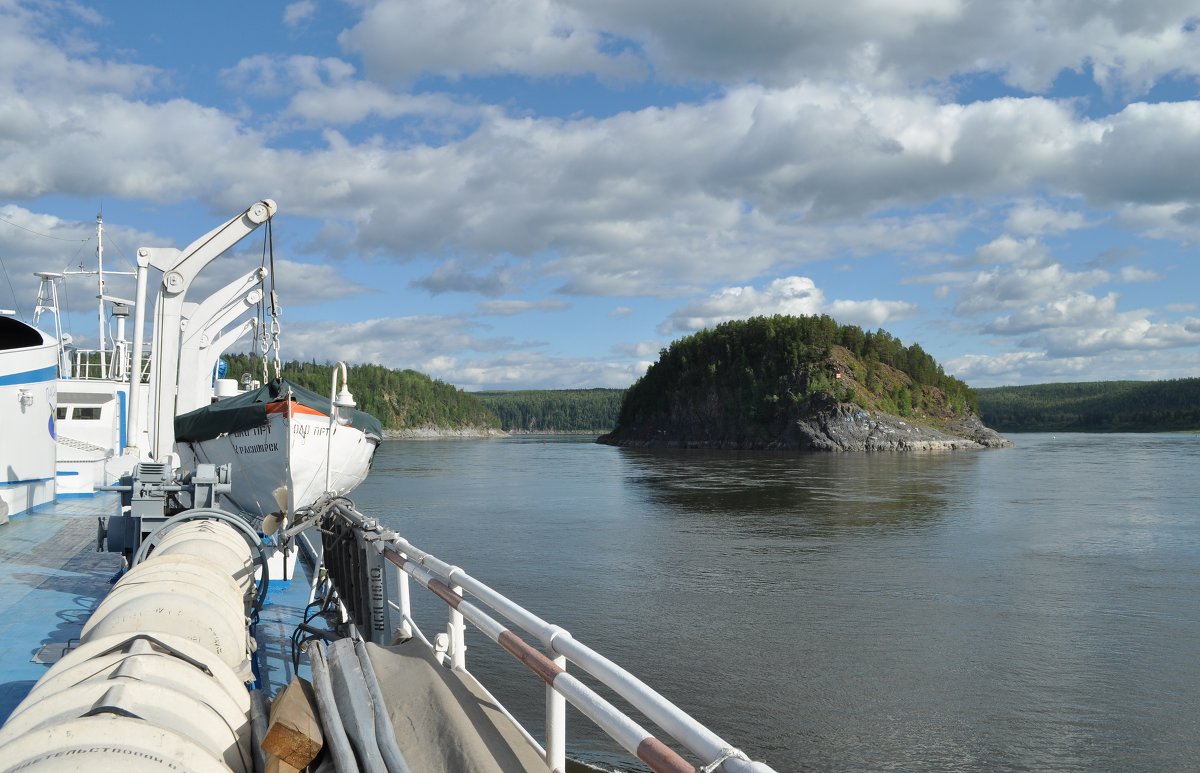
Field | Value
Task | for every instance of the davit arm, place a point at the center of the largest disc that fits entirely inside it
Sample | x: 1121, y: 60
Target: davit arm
x: 180, y: 268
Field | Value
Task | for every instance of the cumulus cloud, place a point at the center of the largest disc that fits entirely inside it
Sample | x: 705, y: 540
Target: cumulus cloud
x: 295, y: 14
x: 663, y: 200
x: 456, y: 350
x: 1123, y: 46
x: 453, y: 276
x: 326, y: 91
x: 275, y: 76
x: 1035, y: 367
x: 1054, y: 321
x: 399, y: 342
x: 1081, y: 325
x: 639, y: 349
x: 1177, y: 221
x: 789, y: 295
x: 509, y: 308
x: 872, y: 313
x: 1006, y: 249
x: 160, y: 148
x: 297, y: 283
x: 484, y: 37
x: 1003, y: 288
x: 1076, y: 309
x: 36, y: 66
x: 1129, y: 331
x: 537, y: 371
x: 625, y: 205
x: 1017, y: 368
x: 1140, y: 155
x: 1137, y: 274
x: 1008, y: 367
x: 797, y: 295
x: 1033, y: 218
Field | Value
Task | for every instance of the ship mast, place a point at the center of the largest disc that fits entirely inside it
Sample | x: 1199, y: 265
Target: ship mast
x: 100, y: 285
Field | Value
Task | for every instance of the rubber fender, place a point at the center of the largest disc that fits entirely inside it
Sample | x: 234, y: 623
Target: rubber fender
x: 99, y: 656
x: 107, y: 742
x: 227, y: 697
x: 205, y: 575
x: 157, y: 680
x: 223, y: 735
x: 215, y: 541
x: 185, y: 609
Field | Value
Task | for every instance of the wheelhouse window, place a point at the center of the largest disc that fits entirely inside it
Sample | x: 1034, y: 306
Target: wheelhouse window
x: 61, y: 413
x: 87, y: 413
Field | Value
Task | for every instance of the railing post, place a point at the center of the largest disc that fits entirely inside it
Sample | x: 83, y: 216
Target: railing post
x: 458, y: 634
x: 556, y: 724
x: 405, y: 595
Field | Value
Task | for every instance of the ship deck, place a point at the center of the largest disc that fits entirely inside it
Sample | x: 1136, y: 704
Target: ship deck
x: 52, y: 578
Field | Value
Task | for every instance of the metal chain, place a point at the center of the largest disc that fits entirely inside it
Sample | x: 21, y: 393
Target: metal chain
x: 275, y: 312
x: 264, y: 346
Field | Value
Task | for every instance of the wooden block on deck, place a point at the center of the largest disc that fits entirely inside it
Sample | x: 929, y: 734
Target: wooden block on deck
x: 294, y: 732
x: 276, y: 765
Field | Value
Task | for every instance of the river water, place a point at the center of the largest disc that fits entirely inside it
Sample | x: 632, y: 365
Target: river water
x: 1035, y: 608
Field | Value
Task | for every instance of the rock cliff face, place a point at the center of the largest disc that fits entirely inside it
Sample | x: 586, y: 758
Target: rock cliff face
x: 849, y: 428
x: 841, y: 428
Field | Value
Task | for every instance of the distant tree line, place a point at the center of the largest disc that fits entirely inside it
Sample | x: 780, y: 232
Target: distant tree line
x: 400, y: 399
x: 1098, y: 406
x: 752, y: 373
x: 752, y: 376
x: 554, y: 410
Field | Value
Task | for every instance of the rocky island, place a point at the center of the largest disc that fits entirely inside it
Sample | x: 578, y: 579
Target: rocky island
x: 799, y: 383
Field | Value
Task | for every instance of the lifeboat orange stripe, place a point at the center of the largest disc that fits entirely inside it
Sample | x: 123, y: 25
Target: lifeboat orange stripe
x: 282, y: 406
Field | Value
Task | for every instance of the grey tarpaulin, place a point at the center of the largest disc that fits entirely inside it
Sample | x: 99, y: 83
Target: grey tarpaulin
x: 443, y: 723
x: 248, y: 410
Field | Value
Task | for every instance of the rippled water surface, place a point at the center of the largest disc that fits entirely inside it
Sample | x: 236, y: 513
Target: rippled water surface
x: 1036, y: 608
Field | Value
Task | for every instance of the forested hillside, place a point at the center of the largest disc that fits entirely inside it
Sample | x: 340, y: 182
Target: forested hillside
x: 400, y: 399
x: 762, y: 367
x: 752, y: 383
x: 1098, y: 406
x: 555, y: 410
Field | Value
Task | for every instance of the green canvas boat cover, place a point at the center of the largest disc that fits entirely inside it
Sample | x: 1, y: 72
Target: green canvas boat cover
x: 249, y: 411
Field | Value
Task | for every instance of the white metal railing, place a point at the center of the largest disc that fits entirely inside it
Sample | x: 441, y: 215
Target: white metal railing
x: 451, y: 584
x: 87, y: 365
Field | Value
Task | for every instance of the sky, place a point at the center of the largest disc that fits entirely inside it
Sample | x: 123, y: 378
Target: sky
x: 510, y: 194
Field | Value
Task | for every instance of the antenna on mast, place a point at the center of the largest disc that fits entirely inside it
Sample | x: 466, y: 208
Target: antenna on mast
x: 100, y: 285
